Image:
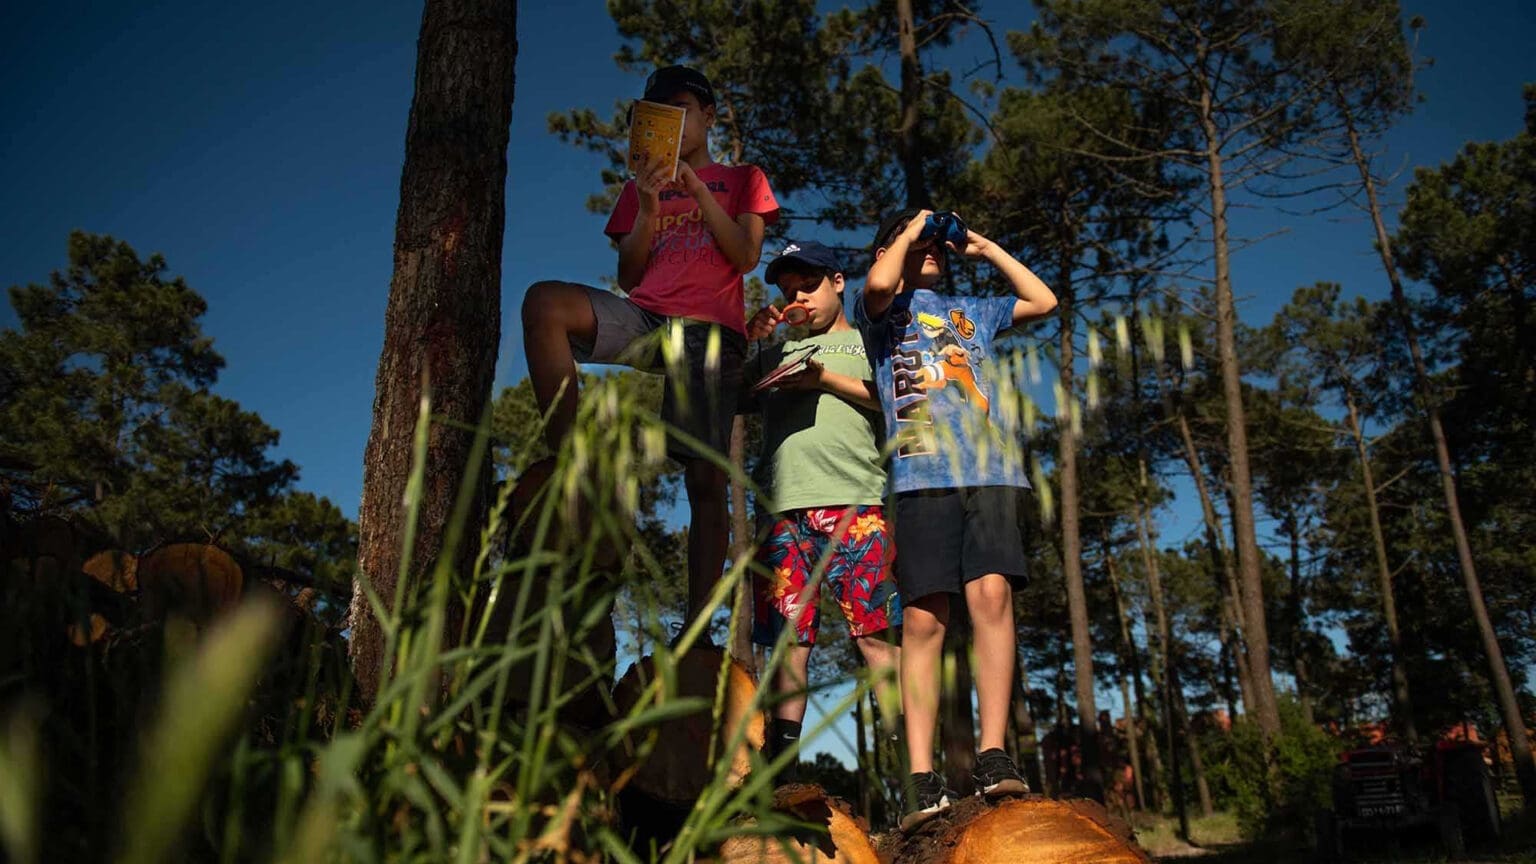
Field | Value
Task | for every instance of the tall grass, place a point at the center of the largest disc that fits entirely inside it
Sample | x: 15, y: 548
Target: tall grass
x: 245, y: 740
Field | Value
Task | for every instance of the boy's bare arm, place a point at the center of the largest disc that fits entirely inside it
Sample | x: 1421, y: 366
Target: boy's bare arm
x: 741, y: 239
x: 846, y: 387
x: 885, y: 274
x: 1035, y: 298
x: 635, y: 247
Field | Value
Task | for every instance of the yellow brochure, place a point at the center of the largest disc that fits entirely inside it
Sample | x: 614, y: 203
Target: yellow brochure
x: 655, y: 134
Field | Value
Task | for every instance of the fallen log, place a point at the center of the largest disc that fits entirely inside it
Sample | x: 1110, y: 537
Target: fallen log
x: 1018, y: 831
x: 835, y: 835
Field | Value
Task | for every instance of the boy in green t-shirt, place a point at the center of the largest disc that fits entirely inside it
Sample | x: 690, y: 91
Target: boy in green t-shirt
x: 822, y: 482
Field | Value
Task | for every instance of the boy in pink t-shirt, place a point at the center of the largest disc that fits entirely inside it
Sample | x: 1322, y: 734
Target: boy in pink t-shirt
x: 683, y: 247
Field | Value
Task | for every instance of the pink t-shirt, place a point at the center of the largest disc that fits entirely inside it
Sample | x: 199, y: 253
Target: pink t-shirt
x: 688, y: 275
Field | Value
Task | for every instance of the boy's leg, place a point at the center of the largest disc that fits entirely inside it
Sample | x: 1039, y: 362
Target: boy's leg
x: 565, y: 323
x: 783, y: 597
x: 862, y: 577
x: 699, y: 399
x: 554, y: 313
x: 709, y: 529
x: 922, y: 644
x: 993, y: 552
x: 990, y: 602
x: 884, y: 660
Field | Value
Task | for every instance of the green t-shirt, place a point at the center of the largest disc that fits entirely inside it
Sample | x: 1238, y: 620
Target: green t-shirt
x: 819, y: 450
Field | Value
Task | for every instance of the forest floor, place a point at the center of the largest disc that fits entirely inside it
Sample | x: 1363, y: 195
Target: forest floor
x: 1217, y: 841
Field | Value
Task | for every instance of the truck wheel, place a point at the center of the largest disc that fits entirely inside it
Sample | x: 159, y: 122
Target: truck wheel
x: 1450, y: 831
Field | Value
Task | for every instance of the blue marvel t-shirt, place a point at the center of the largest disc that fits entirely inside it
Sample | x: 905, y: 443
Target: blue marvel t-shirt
x: 933, y: 357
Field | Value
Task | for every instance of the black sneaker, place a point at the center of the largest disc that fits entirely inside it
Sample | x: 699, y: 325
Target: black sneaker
x: 927, y: 797
x: 996, y: 774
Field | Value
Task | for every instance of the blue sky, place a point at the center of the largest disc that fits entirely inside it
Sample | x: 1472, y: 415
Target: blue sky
x: 258, y: 147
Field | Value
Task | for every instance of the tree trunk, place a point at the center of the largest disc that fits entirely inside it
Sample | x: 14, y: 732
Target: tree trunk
x: 1196, y: 762
x: 1169, y: 678
x: 1226, y: 573
x: 909, y: 139
x: 1298, y: 614
x: 443, y: 319
x: 1026, y: 745
x: 1509, y: 707
x: 1072, y: 547
x: 957, y: 712
x: 1129, y: 646
x: 1400, y: 692
x: 1255, y: 631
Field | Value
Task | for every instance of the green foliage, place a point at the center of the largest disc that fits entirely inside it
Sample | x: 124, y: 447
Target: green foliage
x: 107, y: 416
x: 1273, y: 791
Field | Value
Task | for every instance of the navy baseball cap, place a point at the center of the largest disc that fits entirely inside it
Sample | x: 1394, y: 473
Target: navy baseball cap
x: 668, y: 80
x: 807, y: 254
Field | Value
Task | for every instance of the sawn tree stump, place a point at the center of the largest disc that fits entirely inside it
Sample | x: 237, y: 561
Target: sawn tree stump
x: 1020, y: 831
x: 679, y: 767
x: 844, y: 838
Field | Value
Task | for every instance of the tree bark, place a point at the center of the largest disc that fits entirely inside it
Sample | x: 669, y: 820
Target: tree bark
x: 909, y: 140
x: 1509, y: 706
x: 1169, y: 678
x: 1299, y: 629
x: 1133, y: 746
x: 1072, y: 546
x: 1255, y: 631
x: 1226, y: 574
x: 1026, y: 745
x: 1196, y: 762
x: 958, y: 714
x: 1400, y: 692
x: 442, y: 324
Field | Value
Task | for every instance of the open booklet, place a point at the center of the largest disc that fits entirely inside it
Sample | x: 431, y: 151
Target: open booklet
x: 655, y: 135
x: 792, y: 363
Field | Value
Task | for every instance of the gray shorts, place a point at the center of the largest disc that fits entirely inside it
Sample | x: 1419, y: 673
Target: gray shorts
x: 699, y: 398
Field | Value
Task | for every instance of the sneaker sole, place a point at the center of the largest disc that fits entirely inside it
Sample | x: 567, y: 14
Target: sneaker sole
x: 918, y: 818
x: 1006, y: 787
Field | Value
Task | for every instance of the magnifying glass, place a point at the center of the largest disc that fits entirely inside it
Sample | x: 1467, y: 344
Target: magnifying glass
x: 795, y: 314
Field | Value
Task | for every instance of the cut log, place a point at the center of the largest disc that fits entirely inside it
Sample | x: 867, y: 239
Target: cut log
x: 1019, y: 831
x: 678, y: 768
x: 838, y: 837
x: 116, y: 570
x: 195, y: 579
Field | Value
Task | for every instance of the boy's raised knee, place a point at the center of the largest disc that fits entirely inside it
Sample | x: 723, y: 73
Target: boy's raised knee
x: 552, y: 303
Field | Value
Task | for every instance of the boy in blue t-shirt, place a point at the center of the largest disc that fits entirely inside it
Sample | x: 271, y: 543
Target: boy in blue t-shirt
x: 956, y: 469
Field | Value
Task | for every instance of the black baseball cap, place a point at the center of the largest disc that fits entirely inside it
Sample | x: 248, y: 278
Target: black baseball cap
x: 892, y: 224
x: 807, y: 254
x: 669, y: 79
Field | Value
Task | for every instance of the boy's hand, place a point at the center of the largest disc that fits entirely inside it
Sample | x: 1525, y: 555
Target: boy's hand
x: 808, y: 378
x: 690, y: 181
x: 761, y: 325
x: 652, y: 178
x: 916, y: 226
x: 976, y: 246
